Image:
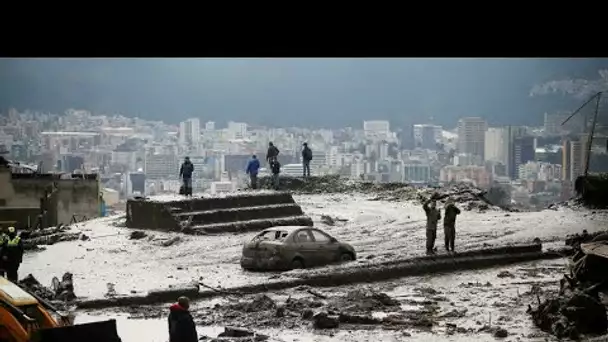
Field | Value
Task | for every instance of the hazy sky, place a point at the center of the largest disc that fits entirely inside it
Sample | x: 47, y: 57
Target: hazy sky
x: 294, y: 91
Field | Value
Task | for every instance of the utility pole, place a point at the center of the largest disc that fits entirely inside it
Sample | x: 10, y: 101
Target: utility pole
x: 598, y: 98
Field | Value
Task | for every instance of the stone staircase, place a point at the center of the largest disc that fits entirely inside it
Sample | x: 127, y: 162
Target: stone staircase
x: 227, y: 214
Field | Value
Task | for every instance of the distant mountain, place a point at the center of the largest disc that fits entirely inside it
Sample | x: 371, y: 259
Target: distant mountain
x: 294, y: 91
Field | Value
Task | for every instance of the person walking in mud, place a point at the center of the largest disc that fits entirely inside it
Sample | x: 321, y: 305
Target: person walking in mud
x: 272, y: 153
x: 433, y: 215
x: 181, y: 324
x: 449, y: 224
x: 253, y: 167
x: 306, y: 158
x: 185, y: 172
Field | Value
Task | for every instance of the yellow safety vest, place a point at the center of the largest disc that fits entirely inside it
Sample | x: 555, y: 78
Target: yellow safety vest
x: 14, y: 241
x: 3, y: 238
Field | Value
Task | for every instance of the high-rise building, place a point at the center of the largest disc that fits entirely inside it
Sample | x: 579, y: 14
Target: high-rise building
x: 210, y: 126
x: 190, y: 132
x: 496, y: 145
x: 376, y: 129
x: 471, y: 137
x: 427, y: 136
x: 162, y: 166
x: 523, y: 152
x: 237, y: 130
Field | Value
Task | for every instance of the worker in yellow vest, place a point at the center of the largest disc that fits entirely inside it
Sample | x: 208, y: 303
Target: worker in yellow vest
x: 12, y: 254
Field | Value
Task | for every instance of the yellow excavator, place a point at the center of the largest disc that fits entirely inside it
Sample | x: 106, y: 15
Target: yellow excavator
x: 25, y: 317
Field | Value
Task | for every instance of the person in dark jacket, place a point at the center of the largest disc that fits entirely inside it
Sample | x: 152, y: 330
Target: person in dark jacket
x: 275, y: 167
x: 12, y: 254
x: 306, y: 158
x: 253, y: 166
x: 433, y: 215
x: 185, y: 172
x: 449, y: 224
x: 181, y: 324
x: 272, y: 153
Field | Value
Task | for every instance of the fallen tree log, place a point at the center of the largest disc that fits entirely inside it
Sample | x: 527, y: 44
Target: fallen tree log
x: 49, y: 240
x: 414, y: 266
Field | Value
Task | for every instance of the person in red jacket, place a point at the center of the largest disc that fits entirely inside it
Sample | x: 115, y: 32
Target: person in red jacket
x: 181, y: 323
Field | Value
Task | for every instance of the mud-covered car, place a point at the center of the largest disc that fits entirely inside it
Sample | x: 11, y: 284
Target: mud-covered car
x: 285, y: 248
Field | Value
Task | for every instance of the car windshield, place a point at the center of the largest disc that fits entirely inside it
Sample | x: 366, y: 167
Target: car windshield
x: 277, y: 235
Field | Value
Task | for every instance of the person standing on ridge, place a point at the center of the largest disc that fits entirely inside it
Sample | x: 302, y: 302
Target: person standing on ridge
x: 185, y: 172
x: 433, y: 215
x: 12, y: 254
x: 181, y: 323
x: 306, y: 158
x: 275, y: 167
x: 449, y: 224
x: 253, y: 166
x: 272, y: 153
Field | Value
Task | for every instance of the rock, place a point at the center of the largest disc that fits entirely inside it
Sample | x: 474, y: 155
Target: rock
x: 84, y: 237
x: 328, y: 220
x: 136, y: 235
x: 280, y: 312
x: 321, y: 320
x: 171, y: 241
x: 357, y: 319
x: 426, y: 290
x: 236, y: 332
x: 307, y: 314
x: 505, y: 274
x: 501, y: 333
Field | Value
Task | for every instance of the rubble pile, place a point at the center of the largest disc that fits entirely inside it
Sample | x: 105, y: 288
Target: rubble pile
x: 49, y: 236
x: 313, y: 309
x: 577, y: 309
x: 591, y: 190
x: 58, y: 291
x: 472, y: 198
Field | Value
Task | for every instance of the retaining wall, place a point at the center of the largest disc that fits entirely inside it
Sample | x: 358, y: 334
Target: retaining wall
x: 232, y: 213
x: 490, y: 257
x: 64, y: 197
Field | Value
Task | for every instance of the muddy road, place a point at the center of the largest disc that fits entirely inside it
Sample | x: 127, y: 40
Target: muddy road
x: 379, y: 230
x: 463, y: 306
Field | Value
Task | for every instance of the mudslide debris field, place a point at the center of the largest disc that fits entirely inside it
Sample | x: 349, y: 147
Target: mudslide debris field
x: 381, y: 229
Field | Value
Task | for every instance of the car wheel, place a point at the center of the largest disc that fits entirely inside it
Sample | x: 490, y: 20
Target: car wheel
x: 297, y: 263
x: 346, y: 257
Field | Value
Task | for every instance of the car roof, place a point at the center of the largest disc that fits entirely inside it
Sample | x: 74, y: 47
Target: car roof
x: 285, y: 228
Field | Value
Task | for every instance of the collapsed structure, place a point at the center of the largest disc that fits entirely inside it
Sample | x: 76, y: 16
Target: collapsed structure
x: 231, y: 213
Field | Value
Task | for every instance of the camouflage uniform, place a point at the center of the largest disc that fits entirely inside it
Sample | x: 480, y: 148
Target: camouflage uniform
x: 433, y: 215
x: 449, y: 225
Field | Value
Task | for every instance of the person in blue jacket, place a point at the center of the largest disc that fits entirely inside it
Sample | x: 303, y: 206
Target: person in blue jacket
x: 253, y: 166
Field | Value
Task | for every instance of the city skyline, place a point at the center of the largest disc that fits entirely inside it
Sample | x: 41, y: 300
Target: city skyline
x: 313, y: 92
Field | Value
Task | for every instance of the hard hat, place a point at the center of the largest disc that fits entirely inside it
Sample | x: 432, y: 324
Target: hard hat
x: 11, y: 229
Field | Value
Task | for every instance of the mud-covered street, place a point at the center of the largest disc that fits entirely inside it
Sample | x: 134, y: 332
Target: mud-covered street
x: 379, y: 230
x: 470, y: 305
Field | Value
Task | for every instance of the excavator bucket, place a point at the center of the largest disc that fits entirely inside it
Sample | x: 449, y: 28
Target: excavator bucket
x: 104, y: 331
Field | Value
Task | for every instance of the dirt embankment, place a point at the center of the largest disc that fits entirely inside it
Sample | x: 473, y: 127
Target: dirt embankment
x: 471, y: 197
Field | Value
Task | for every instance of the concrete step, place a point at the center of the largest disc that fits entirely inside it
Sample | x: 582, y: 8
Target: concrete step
x: 245, y: 199
x: 249, y: 225
x: 241, y: 214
